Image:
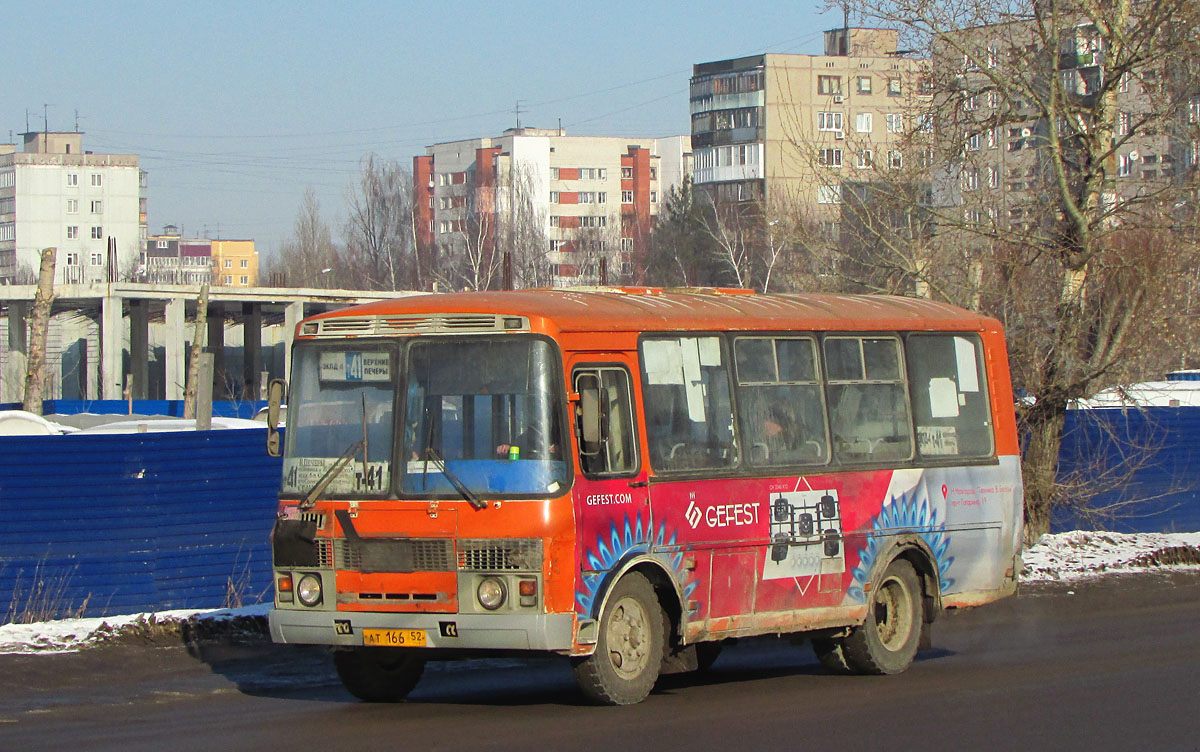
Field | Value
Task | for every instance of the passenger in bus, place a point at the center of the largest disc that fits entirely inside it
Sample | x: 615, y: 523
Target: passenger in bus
x: 532, y: 444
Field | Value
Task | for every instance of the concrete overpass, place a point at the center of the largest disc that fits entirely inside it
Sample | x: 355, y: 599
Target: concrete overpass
x: 127, y: 322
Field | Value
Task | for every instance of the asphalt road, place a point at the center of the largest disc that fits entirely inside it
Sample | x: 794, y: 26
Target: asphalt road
x: 1108, y: 665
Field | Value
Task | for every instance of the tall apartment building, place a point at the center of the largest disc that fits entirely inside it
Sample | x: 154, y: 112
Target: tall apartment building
x: 797, y: 128
x: 1004, y: 129
x: 590, y: 199
x: 91, y: 207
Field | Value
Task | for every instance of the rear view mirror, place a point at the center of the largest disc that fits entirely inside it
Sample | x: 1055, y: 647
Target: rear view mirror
x: 588, y: 386
x: 276, y: 391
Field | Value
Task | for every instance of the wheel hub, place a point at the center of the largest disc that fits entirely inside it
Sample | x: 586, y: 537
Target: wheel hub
x: 628, y: 638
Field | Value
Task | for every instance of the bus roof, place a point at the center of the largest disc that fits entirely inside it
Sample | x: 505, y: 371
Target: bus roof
x: 649, y: 309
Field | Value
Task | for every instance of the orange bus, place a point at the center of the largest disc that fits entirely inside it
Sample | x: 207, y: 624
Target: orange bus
x: 629, y: 477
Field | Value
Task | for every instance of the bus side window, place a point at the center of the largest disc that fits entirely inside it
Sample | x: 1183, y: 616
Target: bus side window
x: 689, y: 410
x: 868, y: 404
x: 607, y: 446
x: 949, y: 396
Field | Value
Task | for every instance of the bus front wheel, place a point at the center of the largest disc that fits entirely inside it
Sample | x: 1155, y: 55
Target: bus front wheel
x: 379, y: 674
x: 886, y: 643
x: 629, y: 649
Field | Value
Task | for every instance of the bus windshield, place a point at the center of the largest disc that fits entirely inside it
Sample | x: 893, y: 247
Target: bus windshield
x: 488, y: 409
x: 340, y: 396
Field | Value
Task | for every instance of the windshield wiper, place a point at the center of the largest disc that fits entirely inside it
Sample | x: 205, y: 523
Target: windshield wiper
x: 333, y: 472
x: 459, y: 486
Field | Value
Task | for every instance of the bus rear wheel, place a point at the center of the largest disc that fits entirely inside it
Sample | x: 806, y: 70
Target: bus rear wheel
x: 629, y: 650
x: 379, y: 674
x: 886, y: 643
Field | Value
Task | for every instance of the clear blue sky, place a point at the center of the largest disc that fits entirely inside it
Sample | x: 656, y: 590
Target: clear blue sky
x: 235, y: 108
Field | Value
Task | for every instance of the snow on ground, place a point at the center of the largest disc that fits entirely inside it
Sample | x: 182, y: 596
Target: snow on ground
x: 1063, y: 556
x: 1081, y: 554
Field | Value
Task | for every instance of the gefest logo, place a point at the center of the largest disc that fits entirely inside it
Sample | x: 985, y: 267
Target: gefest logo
x: 717, y: 516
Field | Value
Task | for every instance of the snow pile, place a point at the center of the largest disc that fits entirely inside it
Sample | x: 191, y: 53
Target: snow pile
x: 1080, y: 554
x: 69, y: 635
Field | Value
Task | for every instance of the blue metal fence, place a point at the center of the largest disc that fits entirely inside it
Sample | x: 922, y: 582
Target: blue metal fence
x: 127, y: 523
x: 171, y: 408
x: 1154, y: 452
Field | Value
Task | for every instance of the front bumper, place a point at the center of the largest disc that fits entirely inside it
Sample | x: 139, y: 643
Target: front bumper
x: 464, y: 631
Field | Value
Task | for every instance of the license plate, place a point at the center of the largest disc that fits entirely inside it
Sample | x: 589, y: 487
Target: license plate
x: 397, y: 638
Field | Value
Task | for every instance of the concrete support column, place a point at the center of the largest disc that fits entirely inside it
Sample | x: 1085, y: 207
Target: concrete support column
x: 216, y: 346
x: 12, y: 369
x: 174, y: 341
x: 112, y: 345
x: 252, y: 360
x: 139, y: 348
x: 291, y: 317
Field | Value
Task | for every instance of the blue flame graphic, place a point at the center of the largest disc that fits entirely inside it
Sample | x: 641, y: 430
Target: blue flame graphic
x: 626, y: 538
x: 908, y: 513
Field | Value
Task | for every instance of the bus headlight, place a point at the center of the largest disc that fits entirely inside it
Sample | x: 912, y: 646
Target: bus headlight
x: 308, y: 590
x: 491, y: 593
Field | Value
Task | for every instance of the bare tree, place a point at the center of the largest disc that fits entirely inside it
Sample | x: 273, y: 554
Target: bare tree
x: 1067, y: 133
x: 309, y: 257
x: 379, y: 233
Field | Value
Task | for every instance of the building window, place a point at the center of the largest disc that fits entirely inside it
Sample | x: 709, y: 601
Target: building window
x: 626, y: 173
x: 894, y: 122
x: 993, y: 177
x: 97, y: 258
x: 228, y: 263
x: 73, y: 179
x: 829, y: 157
x: 587, y: 197
x: 829, y: 121
x: 244, y: 279
x: 626, y: 244
x: 97, y: 180
x: 245, y: 263
x: 864, y: 84
x: 1123, y: 120
x: 601, y: 197
x: 895, y: 160
x: 862, y: 122
x: 970, y: 180
x: 162, y: 244
x: 829, y: 85
x: 893, y: 87
x: 72, y: 206
x: 72, y: 232
x: 626, y: 197
x: 72, y: 258
x: 554, y: 197
x: 1124, y: 166
x: 97, y: 207
x: 829, y: 194
x: 924, y: 123
x: 654, y: 197
x: 973, y: 142
x: 865, y: 159
x: 556, y: 245
x: 554, y: 173
x: 653, y: 173
x: 598, y: 221
x: 555, y: 220
x: 97, y: 232
x: 228, y: 280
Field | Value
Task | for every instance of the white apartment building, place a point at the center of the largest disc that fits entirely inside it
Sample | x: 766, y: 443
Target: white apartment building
x: 593, y: 197
x: 88, y: 206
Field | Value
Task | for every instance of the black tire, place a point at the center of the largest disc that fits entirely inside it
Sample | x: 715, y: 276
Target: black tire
x: 887, y: 641
x: 629, y: 650
x: 379, y: 674
x: 831, y: 654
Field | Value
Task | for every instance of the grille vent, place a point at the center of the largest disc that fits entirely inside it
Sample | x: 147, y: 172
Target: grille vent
x: 435, y: 323
x: 396, y: 554
x: 497, y: 555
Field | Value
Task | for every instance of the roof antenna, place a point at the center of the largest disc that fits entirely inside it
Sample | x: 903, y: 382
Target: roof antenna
x: 517, y: 112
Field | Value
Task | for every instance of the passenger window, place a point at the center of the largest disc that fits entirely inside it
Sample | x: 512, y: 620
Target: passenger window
x: 689, y: 415
x: 949, y: 396
x: 780, y: 403
x: 868, y: 406
x: 608, y: 446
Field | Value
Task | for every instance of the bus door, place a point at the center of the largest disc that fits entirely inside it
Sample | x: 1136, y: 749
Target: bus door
x: 612, y: 509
